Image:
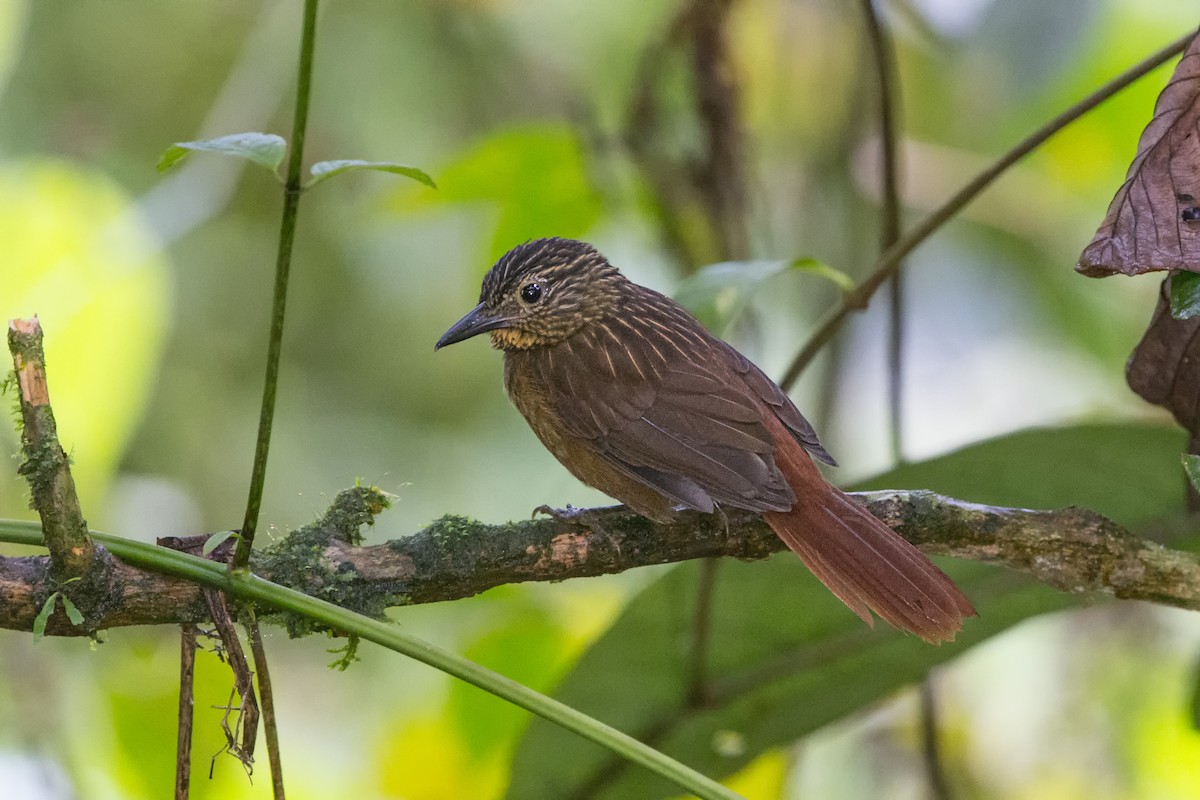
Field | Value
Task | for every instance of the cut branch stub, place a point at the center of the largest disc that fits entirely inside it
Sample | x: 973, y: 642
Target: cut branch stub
x: 46, y: 465
x: 1153, y: 222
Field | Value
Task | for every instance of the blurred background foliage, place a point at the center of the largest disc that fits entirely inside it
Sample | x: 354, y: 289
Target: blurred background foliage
x: 154, y: 291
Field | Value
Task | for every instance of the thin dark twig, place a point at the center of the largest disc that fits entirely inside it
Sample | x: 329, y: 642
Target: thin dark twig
x: 667, y: 185
x: 722, y: 175
x: 722, y: 185
x: 712, y: 182
x: 266, y: 699
x: 935, y: 772
x: 884, y: 58
x: 183, y: 745
x: 889, y: 262
x: 889, y: 95
x: 239, y: 743
x: 283, y: 262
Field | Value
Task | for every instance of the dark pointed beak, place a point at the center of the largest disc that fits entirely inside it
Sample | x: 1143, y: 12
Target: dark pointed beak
x: 479, y: 320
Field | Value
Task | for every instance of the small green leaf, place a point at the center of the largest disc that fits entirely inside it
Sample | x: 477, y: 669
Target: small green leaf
x: 327, y: 169
x: 1191, y: 466
x: 39, y: 622
x: 823, y: 270
x: 265, y: 149
x: 718, y: 293
x: 73, y: 613
x: 215, y: 541
x: 1185, y: 294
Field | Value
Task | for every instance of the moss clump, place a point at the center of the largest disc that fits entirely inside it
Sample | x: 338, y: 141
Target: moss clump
x: 298, y: 560
x: 351, y: 510
x: 452, y: 527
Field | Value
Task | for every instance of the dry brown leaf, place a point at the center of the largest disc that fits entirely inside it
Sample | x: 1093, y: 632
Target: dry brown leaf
x: 1165, y: 367
x: 1153, y: 222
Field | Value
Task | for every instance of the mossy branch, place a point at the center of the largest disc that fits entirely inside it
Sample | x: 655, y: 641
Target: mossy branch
x: 46, y: 465
x: 1074, y: 550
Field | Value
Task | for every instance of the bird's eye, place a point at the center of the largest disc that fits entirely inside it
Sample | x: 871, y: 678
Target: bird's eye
x: 531, y: 292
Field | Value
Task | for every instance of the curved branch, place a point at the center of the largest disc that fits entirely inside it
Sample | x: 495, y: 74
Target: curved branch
x: 1072, y: 549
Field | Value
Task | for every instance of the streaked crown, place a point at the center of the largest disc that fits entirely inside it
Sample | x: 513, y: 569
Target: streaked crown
x: 548, y: 289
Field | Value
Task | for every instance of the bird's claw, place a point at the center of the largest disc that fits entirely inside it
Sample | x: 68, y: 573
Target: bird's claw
x: 568, y: 514
x: 584, y: 517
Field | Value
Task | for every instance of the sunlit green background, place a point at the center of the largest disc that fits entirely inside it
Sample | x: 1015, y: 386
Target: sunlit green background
x: 154, y: 291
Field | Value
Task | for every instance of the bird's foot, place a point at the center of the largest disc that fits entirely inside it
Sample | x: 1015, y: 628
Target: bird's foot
x: 584, y: 517
x: 567, y: 514
x: 721, y: 515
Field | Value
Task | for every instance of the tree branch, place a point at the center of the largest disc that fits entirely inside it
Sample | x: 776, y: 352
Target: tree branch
x: 46, y: 465
x: 1072, y: 549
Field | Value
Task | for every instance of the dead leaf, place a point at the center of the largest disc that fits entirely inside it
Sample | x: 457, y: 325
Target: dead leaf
x: 1165, y: 367
x: 1153, y: 222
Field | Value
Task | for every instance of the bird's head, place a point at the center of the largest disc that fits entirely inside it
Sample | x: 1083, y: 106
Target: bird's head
x: 540, y: 293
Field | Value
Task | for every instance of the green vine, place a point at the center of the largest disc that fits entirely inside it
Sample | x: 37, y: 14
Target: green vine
x: 246, y: 586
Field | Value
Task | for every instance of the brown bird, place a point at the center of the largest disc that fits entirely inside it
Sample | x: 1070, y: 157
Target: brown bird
x: 638, y: 400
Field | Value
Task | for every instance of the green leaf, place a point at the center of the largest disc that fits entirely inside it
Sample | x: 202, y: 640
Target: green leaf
x: 528, y: 647
x: 718, y: 293
x: 327, y: 169
x: 1185, y: 294
x: 1126, y: 472
x: 1191, y: 466
x: 73, y: 613
x: 215, y: 541
x: 532, y: 178
x: 39, y: 622
x: 777, y: 676
x: 264, y: 149
x: 787, y: 657
x: 823, y: 270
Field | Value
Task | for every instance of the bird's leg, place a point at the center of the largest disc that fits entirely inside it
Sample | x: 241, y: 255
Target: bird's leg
x: 583, y: 517
x: 721, y: 515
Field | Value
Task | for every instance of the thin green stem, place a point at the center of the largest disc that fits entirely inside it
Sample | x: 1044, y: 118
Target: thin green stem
x: 889, y: 262
x: 283, y: 263
x: 250, y: 587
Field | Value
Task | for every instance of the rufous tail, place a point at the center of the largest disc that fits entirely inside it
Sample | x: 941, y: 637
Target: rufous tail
x: 865, y: 563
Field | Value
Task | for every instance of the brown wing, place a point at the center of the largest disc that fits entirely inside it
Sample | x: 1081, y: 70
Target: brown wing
x: 663, y: 402
x: 770, y: 393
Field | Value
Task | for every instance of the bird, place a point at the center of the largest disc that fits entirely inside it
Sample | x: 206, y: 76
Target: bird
x: 636, y: 398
